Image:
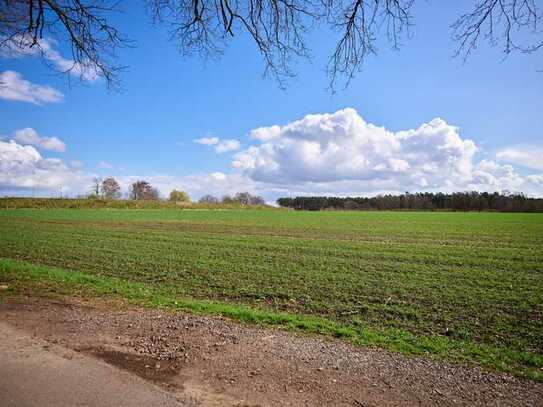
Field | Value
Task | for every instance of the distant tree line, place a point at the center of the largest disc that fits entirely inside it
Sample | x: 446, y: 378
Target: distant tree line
x: 109, y: 189
x: 458, y: 201
x: 241, y: 198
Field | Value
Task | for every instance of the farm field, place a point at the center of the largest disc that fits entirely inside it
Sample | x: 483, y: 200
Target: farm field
x: 463, y: 286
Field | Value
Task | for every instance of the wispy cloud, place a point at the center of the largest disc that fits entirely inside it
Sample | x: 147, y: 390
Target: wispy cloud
x: 20, y: 46
x: 207, y: 141
x: 104, y: 165
x: 529, y: 156
x: 220, y: 145
x: 14, y: 87
x: 29, y: 136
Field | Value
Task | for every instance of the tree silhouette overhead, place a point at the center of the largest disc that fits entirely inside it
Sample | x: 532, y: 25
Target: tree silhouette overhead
x: 277, y: 27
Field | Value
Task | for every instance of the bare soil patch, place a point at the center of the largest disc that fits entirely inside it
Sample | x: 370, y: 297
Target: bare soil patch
x: 213, y: 361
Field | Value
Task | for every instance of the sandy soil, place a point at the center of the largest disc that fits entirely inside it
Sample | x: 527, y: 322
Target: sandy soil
x: 205, y: 361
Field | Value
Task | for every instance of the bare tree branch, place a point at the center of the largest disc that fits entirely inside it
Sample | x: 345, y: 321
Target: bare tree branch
x: 498, y: 22
x: 83, y: 24
x: 360, y: 23
x: 278, y: 28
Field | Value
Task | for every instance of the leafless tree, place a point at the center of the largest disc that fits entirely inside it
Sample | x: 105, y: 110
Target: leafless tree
x: 257, y: 200
x: 96, y: 186
x: 245, y: 198
x: 83, y: 24
x: 499, y: 22
x: 208, y: 199
x: 110, y: 188
x: 278, y: 28
x: 142, y: 190
x: 227, y: 199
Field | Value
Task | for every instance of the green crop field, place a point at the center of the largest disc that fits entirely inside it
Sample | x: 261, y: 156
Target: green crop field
x: 463, y: 286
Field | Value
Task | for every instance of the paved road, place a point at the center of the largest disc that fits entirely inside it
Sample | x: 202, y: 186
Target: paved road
x: 35, y: 374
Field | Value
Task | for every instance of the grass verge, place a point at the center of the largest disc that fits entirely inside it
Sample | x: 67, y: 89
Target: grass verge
x: 20, y: 274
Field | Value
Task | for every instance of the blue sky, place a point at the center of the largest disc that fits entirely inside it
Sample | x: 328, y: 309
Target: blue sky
x: 148, y: 129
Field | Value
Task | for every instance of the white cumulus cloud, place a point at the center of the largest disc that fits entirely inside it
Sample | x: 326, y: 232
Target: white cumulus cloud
x: 342, y: 146
x: 324, y: 154
x: 14, y: 87
x: 22, y: 168
x: 220, y: 145
x: 341, y: 153
x: 30, y: 136
x: 227, y: 145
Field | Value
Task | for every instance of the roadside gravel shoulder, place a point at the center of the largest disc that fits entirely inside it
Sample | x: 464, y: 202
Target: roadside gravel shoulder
x: 212, y: 361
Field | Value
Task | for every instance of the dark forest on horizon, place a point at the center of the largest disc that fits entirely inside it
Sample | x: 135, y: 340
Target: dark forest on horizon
x: 457, y: 201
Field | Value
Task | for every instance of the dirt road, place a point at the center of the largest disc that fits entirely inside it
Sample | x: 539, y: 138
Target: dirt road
x: 102, y: 354
x: 36, y: 374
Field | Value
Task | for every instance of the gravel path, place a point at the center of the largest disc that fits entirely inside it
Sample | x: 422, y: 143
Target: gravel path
x: 206, y: 361
x: 34, y: 373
